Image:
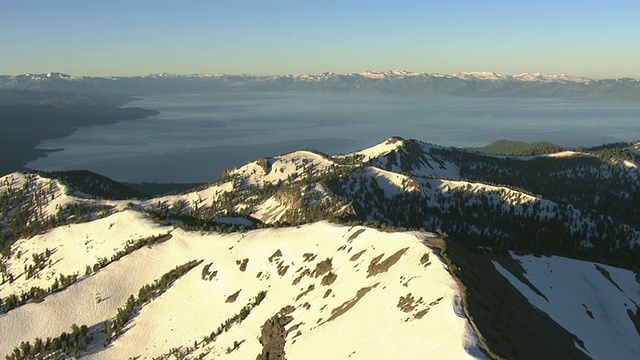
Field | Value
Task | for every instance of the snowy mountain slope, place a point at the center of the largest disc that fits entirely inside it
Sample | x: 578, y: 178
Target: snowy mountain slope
x: 390, y: 182
x: 441, y: 185
x: 347, y: 286
x: 278, y: 169
x: 267, y: 290
x: 597, y: 303
x: 31, y: 203
x: 74, y: 247
x: 305, y: 186
x: 50, y: 194
x: 380, y: 149
x: 189, y: 200
x: 408, y: 156
x: 91, y: 299
x: 47, y: 194
x: 560, y: 154
x: 496, y: 194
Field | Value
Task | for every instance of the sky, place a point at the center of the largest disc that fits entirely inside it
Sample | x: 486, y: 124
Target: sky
x: 595, y: 39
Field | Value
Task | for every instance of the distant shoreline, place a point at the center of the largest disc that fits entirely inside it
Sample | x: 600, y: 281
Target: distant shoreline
x: 27, y: 125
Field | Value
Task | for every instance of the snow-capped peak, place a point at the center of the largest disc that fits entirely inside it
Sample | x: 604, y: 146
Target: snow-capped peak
x: 547, y: 78
x: 50, y: 75
x: 479, y: 75
x: 369, y: 74
x: 382, y: 148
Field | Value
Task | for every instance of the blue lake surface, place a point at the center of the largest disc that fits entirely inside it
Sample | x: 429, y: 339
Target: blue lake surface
x: 196, y: 136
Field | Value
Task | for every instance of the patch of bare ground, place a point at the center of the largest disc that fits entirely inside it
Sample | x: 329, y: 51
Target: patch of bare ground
x: 282, y: 269
x: 606, y: 274
x: 507, y: 325
x: 424, y: 260
x: 355, y: 257
x: 309, y: 257
x: 276, y: 254
x: 326, y: 294
x: 635, y: 318
x: 233, y: 297
x: 329, y: 278
x: 163, y: 238
x: 273, y: 335
x: 322, y: 267
x: 294, y: 327
x: 589, y: 312
x: 420, y: 314
x: 347, y: 305
x: 355, y: 235
x: 376, y: 267
x: 243, y: 264
x: 309, y: 289
x: 408, y: 303
x: 406, y: 283
x: 265, y: 165
x: 306, y: 272
x: 207, y: 274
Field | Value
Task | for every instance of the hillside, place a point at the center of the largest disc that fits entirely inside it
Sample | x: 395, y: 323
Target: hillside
x: 249, y: 264
x: 597, y: 303
x: 508, y: 147
x: 327, y: 282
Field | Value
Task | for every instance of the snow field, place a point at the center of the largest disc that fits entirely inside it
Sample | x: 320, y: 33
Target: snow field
x: 73, y: 247
x: 362, y: 316
x: 583, y: 300
x: 380, y: 149
x: 296, y: 163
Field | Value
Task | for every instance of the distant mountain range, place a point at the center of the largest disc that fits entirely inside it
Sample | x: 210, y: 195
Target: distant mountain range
x: 477, y: 84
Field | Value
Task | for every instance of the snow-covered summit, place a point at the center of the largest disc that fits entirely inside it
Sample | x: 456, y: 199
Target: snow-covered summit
x: 539, y: 77
x: 50, y: 76
x: 381, y: 148
x: 410, y: 156
x: 526, y: 77
x: 282, y: 168
x: 479, y: 75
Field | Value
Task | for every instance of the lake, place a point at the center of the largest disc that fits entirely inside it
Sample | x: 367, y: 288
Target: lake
x: 196, y: 136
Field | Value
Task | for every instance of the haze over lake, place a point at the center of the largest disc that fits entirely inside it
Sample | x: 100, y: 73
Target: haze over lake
x: 196, y: 136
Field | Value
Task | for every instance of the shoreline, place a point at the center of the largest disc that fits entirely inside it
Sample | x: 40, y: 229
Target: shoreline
x: 28, y: 125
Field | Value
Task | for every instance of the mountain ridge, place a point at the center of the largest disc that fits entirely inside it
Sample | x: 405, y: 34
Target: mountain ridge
x: 469, y: 84
x: 486, y: 75
x: 325, y: 219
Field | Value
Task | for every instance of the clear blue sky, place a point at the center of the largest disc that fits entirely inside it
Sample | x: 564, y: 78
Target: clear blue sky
x: 599, y: 39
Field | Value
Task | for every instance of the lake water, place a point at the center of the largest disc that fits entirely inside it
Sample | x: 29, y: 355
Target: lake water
x: 196, y: 136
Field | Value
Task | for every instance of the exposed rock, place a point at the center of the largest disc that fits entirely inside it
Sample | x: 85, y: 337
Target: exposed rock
x: 322, y: 267
x: 376, y: 268
x: 233, y: 297
x: 273, y: 337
